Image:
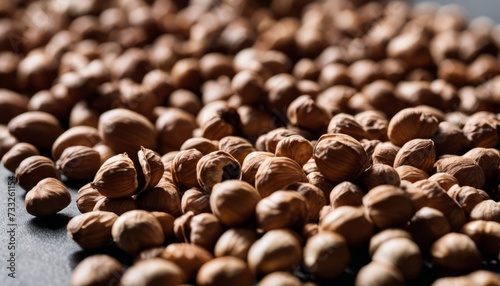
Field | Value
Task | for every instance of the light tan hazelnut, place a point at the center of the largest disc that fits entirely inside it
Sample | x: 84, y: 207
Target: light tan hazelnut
x: 216, y: 167
x: 48, y: 197
x: 418, y: 153
x: 189, y: 257
x: 34, y: 169
x: 224, y: 271
x: 118, y: 206
x: 235, y: 242
x: 277, y: 250
x: 346, y: 194
x: 17, y: 154
x: 99, y: 269
x: 403, y: 253
x: 137, y: 230
x: 455, y: 253
x: 86, y: 198
x: 326, y: 255
x: 388, y: 206
x: 282, y: 209
x: 92, y: 230
x: 295, y: 147
x: 234, y: 202
x: 154, y: 271
x: 275, y: 173
x: 196, y: 201
x: 350, y: 222
x: 314, y: 197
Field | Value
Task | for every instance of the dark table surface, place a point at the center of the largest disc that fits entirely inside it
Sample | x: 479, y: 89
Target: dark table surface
x: 44, y: 255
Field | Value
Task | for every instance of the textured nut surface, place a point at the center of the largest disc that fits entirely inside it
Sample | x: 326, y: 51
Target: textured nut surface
x: 455, y: 253
x: 154, y: 271
x: 116, y: 178
x: 48, y: 197
x: 36, y: 127
x: 282, y: 209
x: 225, y: 271
x: 34, y: 169
x: 92, y: 229
x: 137, y: 230
x: 326, y: 255
x: 17, y: 154
x: 217, y: 167
x: 99, y: 269
x: 79, y: 162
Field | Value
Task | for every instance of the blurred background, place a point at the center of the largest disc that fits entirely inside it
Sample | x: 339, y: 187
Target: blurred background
x: 473, y: 9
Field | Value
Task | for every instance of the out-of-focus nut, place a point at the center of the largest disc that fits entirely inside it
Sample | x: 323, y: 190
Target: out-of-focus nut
x: 455, y: 253
x: 411, y: 123
x: 350, y: 222
x: 17, y: 154
x: 225, y: 271
x: 326, y: 255
x: 92, y: 230
x: 465, y: 170
x: 403, y: 253
x: 154, y: 271
x: 388, y: 206
x: 346, y: 194
x: 282, y: 209
x: 235, y: 242
x: 385, y: 236
x: 47, y: 197
x: 34, y: 169
x: 189, y: 257
x: 427, y: 225
x: 418, y: 153
x: 379, y: 273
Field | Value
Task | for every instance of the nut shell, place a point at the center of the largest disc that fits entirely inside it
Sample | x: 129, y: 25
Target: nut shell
x: 48, y: 197
x: 91, y: 230
x: 116, y: 178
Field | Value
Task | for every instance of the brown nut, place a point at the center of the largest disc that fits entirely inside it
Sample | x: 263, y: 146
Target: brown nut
x: 486, y: 210
x: 238, y: 147
x: 137, y: 230
x: 487, y: 158
x: 116, y: 178
x: 388, y: 206
x: 296, y: 148
x: 465, y: 170
x: 17, y: 154
x: 36, y: 127
x: 449, y: 139
x: 154, y: 271
x: 411, y: 174
x: 486, y: 236
x: 350, y: 222
x: 217, y: 167
x: 280, y: 278
x: 201, y: 144
x: 225, y: 271
x: 314, y: 196
x: 304, y: 112
x: 167, y: 224
x: 411, y: 123
x: 196, y: 201
x: 118, y: 206
x: 91, y: 230
x: 418, y: 153
x: 183, y: 168
x: 235, y: 242
x: 126, y: 131
x: 467, y: 197
x: 403, y: 253
x: 251, y: 164
x: 86, y: 198
x: 202, y: 230
x: 374, y: 123
x: 340, y: 157
x: 189, y: 257
x: 282, y: 209
x: 385, y: 153
x: 346, y: 124
x: 48, y: 197
x: 150, y: 169
x: 164, y: 198
x: 455, y: 253
x: 11, y: 105
x: 234, y: 202
x: 379, y: 273
x: 79, y: 162
x: 99, y: 269
x: 445, y: 181
x: 385, y: 235
x: 174, y: 126
x: 277, y: 250
x: 275, y: 173
x: 346, y: 194
x: 326, y: 255
x: 34, y: 169
x: 427, y: 225
x: 379, y: 174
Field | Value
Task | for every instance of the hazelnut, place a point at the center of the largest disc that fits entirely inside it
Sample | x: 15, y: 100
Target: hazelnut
x: 17, y: 154
x: 385, y: 153
x: 150, y: 169
x: 326, y: 255
x: 225, y: 271
x: 444, y: 180
x: 487, y: 158
x: 238, y: 147
x: 295, y: 147
x: 196, y: 201
x: 86, y: 198
x: 277, y: 250
x: 202, y: 229
x: 11, y: 105
x: 340, y: 157
x: 38, y: 128
x: 164, y: 198
x: 481, y: 131
x: 455, y: 253
x: 234, y: 202
x: 403, y: 253
x: 275, y: 173
x: 118, y: 206
x: 189, y: 257
x: 350, y: 222
x: 154, y: 271
x: 116, y: 178
x: 251, y: 164
x: 282, y: 209
x: 379, y: 174
x: 99, y: 269
x: 379, y: 273
x: 137, y: 230
x: 217, y: 167
x: 418, y: 153
x: 374, y: 124
x: 427, y: 225
x: 183, y: 168
x: 280, y: 278
x: 467, y: 197
x: 314, y: 197
x: 486, y: 236
x: 411, y: 123
x: 174, y: 126
x: 388, y: 206
x: 235, y: 242
x: 305, y: 113
x: 34, y: 169
x: 201, y: 144
x: 92, y: 230
x: 486, y: 210
x: 346, y: 194
x: 47, y: 197
x: 411, y: 174
x: 79, y: 162
x: 386, y: 235
x: 465, y: 170
x: 346, y: 124
x: 167, y: 223
x: 126, y: 131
